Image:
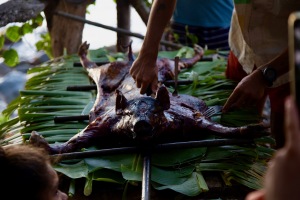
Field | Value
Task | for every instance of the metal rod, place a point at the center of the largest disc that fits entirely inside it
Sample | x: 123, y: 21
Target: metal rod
x: 61, y: 119
x: 94, y: 87
x: 202, y: 143
x: 146, y: 181
x: 158, y: 147
x: 179, y: 82
x: 175, y: 93
x: 119, y: 30
x: 78, y: 64
x: 95, y: 153
x: 81, y: 87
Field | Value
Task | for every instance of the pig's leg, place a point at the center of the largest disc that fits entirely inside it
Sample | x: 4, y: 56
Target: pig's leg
x: 82, y: 53
x: 189, y: 62
x: 93, y: 134
x: 166, y: 67
x: 248, y: 131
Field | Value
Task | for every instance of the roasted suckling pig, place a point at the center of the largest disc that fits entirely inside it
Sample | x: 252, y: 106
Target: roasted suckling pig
x: 121, y: 115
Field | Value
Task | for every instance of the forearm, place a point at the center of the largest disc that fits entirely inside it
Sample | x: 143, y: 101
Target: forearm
x: 160, y: 15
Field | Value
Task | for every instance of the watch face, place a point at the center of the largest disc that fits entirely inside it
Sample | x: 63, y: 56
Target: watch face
x: 270, y: 74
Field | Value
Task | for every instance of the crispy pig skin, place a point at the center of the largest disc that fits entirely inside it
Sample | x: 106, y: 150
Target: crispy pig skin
x: 121, y: 115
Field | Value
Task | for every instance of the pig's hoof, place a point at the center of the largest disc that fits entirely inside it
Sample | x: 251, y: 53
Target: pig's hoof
x: 254, y: 131
x: 38, y: 141
x: 198, y: 49
x: 83, y: 49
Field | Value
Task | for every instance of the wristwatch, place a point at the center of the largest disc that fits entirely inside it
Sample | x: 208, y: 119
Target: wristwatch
x: 269, y: 75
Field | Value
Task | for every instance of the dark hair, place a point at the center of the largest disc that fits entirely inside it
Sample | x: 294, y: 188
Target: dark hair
x: 24, y: 172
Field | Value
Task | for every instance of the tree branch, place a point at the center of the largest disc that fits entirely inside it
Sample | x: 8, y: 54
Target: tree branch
x: 20, y: 10
x: 141, y: 8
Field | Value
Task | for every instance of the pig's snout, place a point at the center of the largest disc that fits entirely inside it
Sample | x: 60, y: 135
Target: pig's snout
x: 142, y: 128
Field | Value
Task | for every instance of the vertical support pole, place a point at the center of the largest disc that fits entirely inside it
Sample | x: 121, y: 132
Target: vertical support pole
x: 146, y: 183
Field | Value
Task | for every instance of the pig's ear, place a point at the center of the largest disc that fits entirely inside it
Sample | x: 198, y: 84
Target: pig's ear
x: 121, y: 102
x: 162, y: 96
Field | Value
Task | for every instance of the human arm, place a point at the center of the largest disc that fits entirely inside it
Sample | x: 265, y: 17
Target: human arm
x: 144, y: 70
x: 252, y: 88
x: 282, y: 179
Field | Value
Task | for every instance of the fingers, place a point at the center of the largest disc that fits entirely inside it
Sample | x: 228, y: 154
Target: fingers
x: 292, y: 129
x: 144, y: 87
x: 256, y: 195
x: 239, y: 99
x: 231, y: 101
x: 148, y: 86
x: 145, y: 77
x: 139, y: 84
x: 154, y: 86
x: 132, y: 72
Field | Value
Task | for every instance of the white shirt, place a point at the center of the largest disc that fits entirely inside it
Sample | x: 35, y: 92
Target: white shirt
x: 259, y: 30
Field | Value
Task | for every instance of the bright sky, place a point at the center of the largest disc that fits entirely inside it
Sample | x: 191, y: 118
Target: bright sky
x: 104, y: 12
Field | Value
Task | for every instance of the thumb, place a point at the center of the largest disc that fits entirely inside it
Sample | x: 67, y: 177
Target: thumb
x: 292, y: 129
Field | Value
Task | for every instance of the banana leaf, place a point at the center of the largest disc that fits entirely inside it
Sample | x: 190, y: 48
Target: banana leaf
x: 45, y: 97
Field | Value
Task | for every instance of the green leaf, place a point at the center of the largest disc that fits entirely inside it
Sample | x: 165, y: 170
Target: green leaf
x: 177, y: 157
x: 97, y: 53
x: 2, y: 39
x: 11, y: 57
x: 77, y: 170
x: 45, y: 44
x: 192, y: 186
x: 107, y: 175
x: 26, y: 28
x: 71, y: 191
x: 171, y: 176
x: 37, y: 21
x: 167, y: 54
x: 13, y: 33
x: 130, y: 174
x: 109, y: 162
x: 111, y: 58
x: 186, y: 52
x: 88, y: 187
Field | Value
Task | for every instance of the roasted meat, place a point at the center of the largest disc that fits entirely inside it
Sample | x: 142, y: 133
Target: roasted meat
x: 121, y: 115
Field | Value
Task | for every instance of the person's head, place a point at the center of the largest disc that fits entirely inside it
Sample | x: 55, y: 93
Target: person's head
x: 26, y: 173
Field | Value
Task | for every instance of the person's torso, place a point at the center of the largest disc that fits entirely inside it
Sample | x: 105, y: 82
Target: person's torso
x: 264, y: 25
x: 203, y: 13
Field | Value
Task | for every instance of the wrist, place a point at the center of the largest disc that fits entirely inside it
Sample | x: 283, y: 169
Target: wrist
x: 148, y: 52
x: 269, y: 75
x: 259, y: 78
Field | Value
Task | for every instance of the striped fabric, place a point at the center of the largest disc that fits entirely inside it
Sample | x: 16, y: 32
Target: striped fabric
x: 213, y: 38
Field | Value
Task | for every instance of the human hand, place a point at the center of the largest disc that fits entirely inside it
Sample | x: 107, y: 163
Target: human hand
x: 283, y: 178
x: 144, y: 72
x: 247, y: 93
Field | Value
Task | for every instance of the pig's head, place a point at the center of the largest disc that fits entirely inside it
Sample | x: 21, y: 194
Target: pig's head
x: 142, y: 116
